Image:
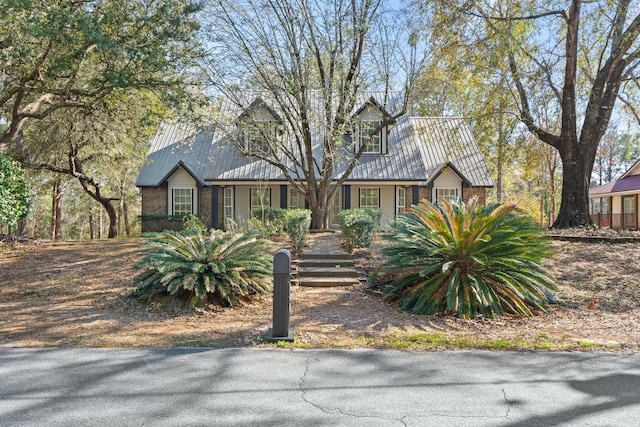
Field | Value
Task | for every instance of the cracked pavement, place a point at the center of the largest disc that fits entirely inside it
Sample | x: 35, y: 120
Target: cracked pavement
x: 238, y: 387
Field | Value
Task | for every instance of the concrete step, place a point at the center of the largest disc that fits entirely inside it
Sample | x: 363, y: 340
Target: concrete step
x: 325, y: 282
x: 319, y: 256
x: 326, y: 263
x: 329, y: 272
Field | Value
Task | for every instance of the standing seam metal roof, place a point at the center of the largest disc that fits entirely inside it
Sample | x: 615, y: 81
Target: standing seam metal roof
x: 418, y: 149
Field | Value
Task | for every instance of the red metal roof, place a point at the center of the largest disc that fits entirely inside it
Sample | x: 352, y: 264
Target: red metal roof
x: 626, y: 184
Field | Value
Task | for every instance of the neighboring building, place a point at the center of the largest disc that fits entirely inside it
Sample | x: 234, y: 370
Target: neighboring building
x: 204, y: 173
x: 615, y: 204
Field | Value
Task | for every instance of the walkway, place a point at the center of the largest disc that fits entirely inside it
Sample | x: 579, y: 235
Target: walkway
x: 325, y: 264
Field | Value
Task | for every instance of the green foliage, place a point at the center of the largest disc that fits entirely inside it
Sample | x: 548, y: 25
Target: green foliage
x: 193, y: 222
x: 357, y: 227
x: 194, y: 269
x: 161, y: 217
x: 467, y: 260
x: 276, y: 215
x: 268, y: 221
x: 375, y: 214
x: 298, y: 223
x: 265, y: 229
x: 14, y: 198
x: 71, y: 54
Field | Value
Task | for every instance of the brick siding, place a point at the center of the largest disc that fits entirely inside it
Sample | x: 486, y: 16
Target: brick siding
x: 205, y: 206
x: 154, y: 201
x: 481, y: 192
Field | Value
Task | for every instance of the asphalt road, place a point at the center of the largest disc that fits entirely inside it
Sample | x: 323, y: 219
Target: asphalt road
x: 245, y: 387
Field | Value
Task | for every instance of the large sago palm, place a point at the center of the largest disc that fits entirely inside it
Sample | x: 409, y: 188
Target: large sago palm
x: 466, y: 259
x: 194, y: 268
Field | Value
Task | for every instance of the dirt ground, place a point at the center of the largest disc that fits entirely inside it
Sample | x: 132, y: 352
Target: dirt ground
x: 77, y: 294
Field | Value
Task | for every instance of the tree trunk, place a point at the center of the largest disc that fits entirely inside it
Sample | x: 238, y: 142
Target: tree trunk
x: 577, y: 167
x: 113, y: 229
x: 92, y: 231
x: 500, y: 157
x: 125, y: 207
x: 320, y: 217
x: 56, y: 210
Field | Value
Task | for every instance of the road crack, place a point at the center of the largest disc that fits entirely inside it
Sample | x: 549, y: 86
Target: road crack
x: 334, y: 411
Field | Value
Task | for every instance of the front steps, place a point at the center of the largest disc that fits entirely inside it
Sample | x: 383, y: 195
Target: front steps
x: 326, y: 270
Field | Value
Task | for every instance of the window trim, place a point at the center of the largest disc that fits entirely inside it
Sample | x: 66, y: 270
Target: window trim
x: 400, y: 208
x: 255, y: 135
x: 361, y: 195
x: 367, y: 139
x: 174, y: 203
x: 267, y: 191
x: 455, y: 190
x: 225, y: 206
x: 294, y: 194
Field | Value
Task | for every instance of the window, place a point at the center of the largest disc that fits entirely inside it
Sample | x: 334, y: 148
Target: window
x: 228, y: 206
x: 336, y: 206
x: 259, y: 135
x: 401, y: 200
x: 296, y: 201
x: 449, y: 194
x: 628, y: 211
x: 366, y: 137
x: 369, y: 197
x: 182, y: 201
x: 259, y: 198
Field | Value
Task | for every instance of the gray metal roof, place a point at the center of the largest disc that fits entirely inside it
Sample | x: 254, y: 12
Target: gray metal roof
x: 177, y: 144
x: 418, y: 149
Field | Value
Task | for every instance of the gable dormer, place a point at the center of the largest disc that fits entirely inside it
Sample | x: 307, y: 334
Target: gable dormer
x: 371, y: 128
x: 259, y: 127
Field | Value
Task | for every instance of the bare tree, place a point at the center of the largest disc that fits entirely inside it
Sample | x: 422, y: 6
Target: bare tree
x: 312, y: 60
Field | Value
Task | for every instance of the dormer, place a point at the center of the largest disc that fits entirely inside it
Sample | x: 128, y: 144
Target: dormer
x: 368, y: 129
x: 259, y: 127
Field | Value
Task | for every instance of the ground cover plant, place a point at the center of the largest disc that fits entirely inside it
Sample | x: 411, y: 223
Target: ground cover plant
x: 194, y: 268
x: 466, y: 259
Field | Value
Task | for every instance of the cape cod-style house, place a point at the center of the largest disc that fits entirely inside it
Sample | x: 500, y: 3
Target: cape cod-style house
x: 203, y: 172
x: 616, y: 204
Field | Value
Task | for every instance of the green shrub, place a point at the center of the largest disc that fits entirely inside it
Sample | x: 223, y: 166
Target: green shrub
x: 158, y: 222
x: 264, y: 229
x: 467, y: 260
x: 375, y: 214
x: 297, y: 226
x: 268, y: 221
x: 192, y: 221
x: 357, y: 227
x: 194, y: 269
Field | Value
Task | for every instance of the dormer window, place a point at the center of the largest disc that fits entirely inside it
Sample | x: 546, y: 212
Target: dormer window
x: 259, y: 128
x: 368, y: 136
x: 258, y: 136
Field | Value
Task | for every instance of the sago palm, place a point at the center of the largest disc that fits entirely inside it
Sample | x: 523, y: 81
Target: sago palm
x: 467, y: 260
x: 193, y: 268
